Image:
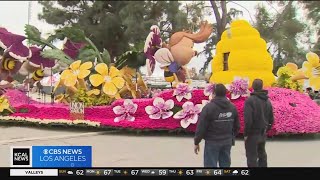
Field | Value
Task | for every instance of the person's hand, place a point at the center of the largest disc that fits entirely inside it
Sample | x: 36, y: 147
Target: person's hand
x: 196, y: 148
x: 245, y: 138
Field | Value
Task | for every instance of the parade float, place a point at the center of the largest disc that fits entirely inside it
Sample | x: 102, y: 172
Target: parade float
x: 102, y: 94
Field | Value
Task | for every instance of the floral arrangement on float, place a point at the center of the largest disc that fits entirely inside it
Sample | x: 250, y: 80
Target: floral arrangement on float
x: 114, y: 100
x: 295, y: 114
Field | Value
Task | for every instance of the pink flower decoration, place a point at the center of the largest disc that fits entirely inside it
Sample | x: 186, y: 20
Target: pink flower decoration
x: 208, y: 90
x: 126, y: 110
x: 239, y: 87
x: 188, y: 114
x: 182, y: 91
x: 160, y: 109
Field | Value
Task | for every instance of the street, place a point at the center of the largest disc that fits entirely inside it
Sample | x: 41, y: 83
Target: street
x: 112, y: 149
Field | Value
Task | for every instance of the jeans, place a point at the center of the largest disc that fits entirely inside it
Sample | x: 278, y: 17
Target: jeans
x: 256, y: 151
x: 215, y: 154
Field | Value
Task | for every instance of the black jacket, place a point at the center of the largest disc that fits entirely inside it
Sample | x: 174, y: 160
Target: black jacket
x: 258, y: 113
x: 218, y: 122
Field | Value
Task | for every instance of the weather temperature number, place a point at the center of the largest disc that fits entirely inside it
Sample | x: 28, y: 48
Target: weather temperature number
x: 217, y: 172
x: 134, y: 172
x: 107, y: 172
x: 245, y: 172
x: 190, y: 172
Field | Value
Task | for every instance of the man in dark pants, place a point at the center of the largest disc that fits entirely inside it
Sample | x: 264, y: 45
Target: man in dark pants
x: 218, y: 125
x: 258, y: 117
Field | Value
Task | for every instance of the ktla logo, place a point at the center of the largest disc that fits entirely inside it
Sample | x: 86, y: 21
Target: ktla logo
x: 21, y: 156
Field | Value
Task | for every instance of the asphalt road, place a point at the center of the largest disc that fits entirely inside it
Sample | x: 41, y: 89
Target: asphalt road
x: 111, y: 149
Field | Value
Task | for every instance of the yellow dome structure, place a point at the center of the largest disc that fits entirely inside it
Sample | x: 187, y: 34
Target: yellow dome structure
x: 241, y: 52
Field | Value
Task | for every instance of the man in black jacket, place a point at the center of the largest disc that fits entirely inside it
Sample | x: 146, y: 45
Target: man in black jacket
x: 258, y: 117
x: 218, y: 125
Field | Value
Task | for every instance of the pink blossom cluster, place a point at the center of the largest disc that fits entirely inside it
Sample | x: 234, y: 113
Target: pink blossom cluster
x: 17, y: 97
x: 239, y: 86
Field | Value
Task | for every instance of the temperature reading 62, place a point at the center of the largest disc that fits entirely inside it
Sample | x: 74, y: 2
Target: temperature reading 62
x: 245, y: 172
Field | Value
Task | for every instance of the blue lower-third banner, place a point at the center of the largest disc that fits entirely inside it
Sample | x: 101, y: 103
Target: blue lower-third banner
x: 61, y: 156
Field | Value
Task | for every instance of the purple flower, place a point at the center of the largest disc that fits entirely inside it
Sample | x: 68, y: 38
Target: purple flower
x: 152, y: 44
x: 188, y: 114
x: 12, y: 43
x: 72, y: 49
x: 125, y: 111
x: 239, y: 87
x: 160, y: 109
x: 209, y: 90
x: 37, y: 59
x: 182, y: 91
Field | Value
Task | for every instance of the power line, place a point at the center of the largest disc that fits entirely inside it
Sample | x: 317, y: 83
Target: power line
x: 243, y: 8
x: 29, y: 11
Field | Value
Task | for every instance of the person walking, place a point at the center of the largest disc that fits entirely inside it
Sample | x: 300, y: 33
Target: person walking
x: 218, y: 125
x: 258, y: 117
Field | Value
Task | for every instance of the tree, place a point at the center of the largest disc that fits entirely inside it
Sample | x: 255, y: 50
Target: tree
x: 313, y: 8
x: 115, y: 25
x: 283, y: 41
x: 223, y: 17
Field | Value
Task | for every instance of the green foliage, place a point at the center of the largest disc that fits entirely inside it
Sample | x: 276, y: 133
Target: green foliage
x: 72, y: 33
x: 106, y: 57
x: 114, y: 25
x: 313, y: 8
x: 56, y: 54
x: 176, y: 109
x: 100, y: 100
x: 133, y: 59
x: 33, y: 34
x: 6, y: 112
x: 284, y: 81
x: 87, y: 54
x: 286, y: 29
x: 23, y: 110
x: 103, y: 100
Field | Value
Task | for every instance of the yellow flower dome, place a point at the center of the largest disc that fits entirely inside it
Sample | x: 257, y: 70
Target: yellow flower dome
x: 76, y: 71
x: 241, y: 52
x: 311, y: 69
x: 110, y: 78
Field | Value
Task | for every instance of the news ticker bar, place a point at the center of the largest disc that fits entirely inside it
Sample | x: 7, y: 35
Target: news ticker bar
x: 129, y: 172
x: 161, y: 172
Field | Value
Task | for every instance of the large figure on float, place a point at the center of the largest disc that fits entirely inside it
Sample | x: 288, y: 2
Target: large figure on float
x: 241, y: 52
x: 173, y: 57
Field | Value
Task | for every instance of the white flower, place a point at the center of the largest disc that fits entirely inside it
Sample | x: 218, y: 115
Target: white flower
x: 160, y: 109
x: 125, y: 111
x: 188, y: 114
x: 182, y: 91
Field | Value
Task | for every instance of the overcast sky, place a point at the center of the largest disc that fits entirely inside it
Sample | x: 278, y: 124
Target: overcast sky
x: 14, y: 15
